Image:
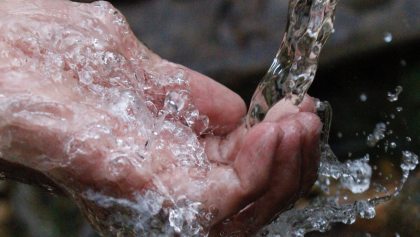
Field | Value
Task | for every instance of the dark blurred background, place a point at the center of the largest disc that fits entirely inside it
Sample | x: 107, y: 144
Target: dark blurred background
x: 376, y: 46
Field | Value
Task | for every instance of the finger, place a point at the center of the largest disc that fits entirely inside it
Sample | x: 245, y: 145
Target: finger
x: 307, y: 104
x: 224, y: 108
x: 285, y: 107
x: 224, y: 149
x: 251, y: 168
x: 310, y: 149
x: 284, y: 184
x: 256, y: 156
x: 280, y: 110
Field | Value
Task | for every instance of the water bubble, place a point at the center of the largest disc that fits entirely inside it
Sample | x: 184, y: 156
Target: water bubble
x: 392, y: 97
x: 388, y: 37
x: 399, y: 109
x: 408, y: 139
x: 363, y: 97
x: 403, y: 63
x: 339, y: 134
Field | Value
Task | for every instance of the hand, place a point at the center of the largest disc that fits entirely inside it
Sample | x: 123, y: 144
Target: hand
x: 86, y: 104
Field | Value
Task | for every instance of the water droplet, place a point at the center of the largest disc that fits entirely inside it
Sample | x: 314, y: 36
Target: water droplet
x: 409, y: 161
x: 377, y: 135
x: 392, y: 97
x: 339, y: 135
x: 393, y: 145
x: 403, y: 63
x: 49, y: 188
x: 379, y: 188
x: 365, y: 209
x: 388, y: 37
x: 363, y: 97
x: 356, y: 176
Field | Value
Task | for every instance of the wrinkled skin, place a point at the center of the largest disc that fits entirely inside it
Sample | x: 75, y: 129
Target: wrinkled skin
x: 48, y: 106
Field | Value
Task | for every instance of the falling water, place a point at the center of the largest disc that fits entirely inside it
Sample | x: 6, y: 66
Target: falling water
x: 293, y: 69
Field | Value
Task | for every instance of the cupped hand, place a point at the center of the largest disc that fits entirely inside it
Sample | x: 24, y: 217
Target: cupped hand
x: 89, y: 106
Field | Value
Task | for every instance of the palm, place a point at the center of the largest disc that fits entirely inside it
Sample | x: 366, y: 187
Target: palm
x: 89, y: 115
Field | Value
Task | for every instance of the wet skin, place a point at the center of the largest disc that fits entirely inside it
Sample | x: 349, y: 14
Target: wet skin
x: 46, y: 104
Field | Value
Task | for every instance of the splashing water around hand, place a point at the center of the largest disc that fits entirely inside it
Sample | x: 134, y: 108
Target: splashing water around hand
x: 289, y: 77
x: 116, y: 106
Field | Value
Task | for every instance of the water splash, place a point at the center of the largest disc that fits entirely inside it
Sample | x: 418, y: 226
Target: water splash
x: 409, y: 162
x: 336, y: 207
x: 148, y: 214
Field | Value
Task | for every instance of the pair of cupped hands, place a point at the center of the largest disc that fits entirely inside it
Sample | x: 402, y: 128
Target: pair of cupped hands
x: 60, y: 65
